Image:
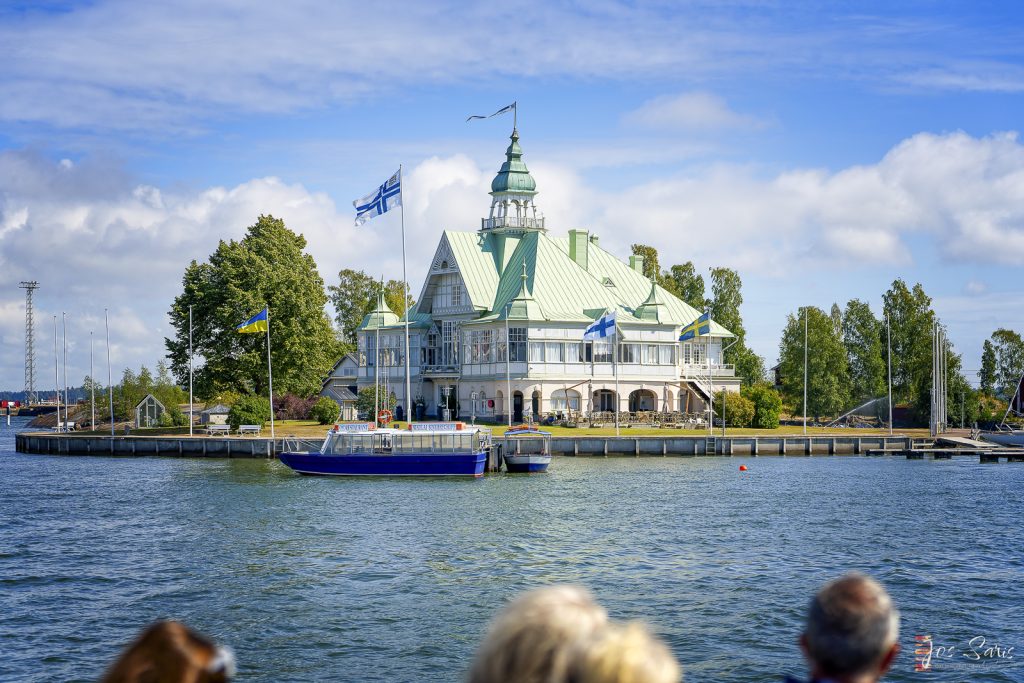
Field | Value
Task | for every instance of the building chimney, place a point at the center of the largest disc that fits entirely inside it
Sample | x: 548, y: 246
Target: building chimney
x: 636, y: 262
x: 578, y: 243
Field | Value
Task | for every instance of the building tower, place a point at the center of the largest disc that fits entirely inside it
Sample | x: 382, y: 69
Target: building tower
x: 513, y: 190
x: 31, y: 397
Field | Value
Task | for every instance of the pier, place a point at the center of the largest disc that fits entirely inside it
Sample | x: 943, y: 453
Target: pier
x: 45, y: 443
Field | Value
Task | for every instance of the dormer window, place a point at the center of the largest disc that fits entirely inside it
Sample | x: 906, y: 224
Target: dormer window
x: 607, y: 282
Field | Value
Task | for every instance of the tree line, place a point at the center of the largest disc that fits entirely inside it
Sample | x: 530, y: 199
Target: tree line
x: 847, y: 365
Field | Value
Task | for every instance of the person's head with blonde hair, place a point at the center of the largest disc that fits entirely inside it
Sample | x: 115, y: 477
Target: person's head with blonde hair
x: 623, y: 654
x: 170, y: 652
x: 531, y: 639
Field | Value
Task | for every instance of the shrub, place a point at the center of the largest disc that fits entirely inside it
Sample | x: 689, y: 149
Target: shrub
x: 739, y: 410
x: 767, y: 405
x: 291, y: 407
x: 249, y: 410
x: 325, y: 411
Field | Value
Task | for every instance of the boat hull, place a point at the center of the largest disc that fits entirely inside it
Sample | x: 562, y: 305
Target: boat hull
x: 527, y: 463
x: 398, y: 465
x: 1014, y: 438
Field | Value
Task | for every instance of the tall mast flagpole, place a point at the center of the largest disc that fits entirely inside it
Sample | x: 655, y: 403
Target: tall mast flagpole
x: 56, y: 371
x: 110, y: 384
x: 508, y: 366
x: 888, y: 344
x: 92, y: 384
x: 616, y: 357
x: 191, y: 409
x: 64, y: 325
x: 805, y: 370
x: 405, y: 305
x: 270, y: 376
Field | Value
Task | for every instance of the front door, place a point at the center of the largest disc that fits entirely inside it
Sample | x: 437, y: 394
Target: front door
x: 517, y: 407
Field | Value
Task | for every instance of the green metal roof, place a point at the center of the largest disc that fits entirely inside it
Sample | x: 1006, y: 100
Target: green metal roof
x: 513, y: 176
x: 382, y: 316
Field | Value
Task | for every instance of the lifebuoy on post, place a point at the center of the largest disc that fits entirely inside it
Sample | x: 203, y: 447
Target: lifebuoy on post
x: 384, y: 416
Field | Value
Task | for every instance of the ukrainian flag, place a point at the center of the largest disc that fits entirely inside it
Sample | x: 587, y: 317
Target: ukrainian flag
x: 257, y: 323
x: 698, y: 327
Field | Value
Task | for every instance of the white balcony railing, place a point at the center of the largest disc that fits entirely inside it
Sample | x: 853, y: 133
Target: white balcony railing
x: 512, y: 222
x: 701, y: 370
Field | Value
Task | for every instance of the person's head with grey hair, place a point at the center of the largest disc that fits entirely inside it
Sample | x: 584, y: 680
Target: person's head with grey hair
x: 531, y: 639
x: 852, y: 631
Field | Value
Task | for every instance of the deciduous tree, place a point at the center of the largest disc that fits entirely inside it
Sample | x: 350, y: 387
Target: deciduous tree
x: 828, y: 390
x: 862, y: 336
x: 267, y: 268
x: 726, y: 299
x: 987, y: 374
x: 688, y: 285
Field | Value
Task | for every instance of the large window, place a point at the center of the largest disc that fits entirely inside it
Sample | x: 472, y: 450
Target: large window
x: 536, y: 352
x: 629, y: 353
x: 517, y: 344
x: 554, y: 352
x: 585, y: 352
x: 450, y: 342
x: 479, y: 346
x: 667, y: 354
x: 650, y: 354
x: 449, y: 292
x: 602, y: 352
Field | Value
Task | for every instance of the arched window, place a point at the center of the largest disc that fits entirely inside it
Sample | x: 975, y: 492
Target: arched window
x: 562, y: 399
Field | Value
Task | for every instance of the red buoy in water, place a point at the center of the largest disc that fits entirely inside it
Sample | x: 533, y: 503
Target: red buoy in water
x: 743, y: 468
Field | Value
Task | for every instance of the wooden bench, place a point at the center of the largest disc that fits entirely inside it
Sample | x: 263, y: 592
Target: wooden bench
x: 249, y: 429
x: 223, y: 430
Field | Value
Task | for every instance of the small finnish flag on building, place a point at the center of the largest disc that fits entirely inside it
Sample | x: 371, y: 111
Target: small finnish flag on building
x: 383, y: 199
x: 602, y: 327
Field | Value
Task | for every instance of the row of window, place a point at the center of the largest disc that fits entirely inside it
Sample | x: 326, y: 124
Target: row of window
x: 489, y: 346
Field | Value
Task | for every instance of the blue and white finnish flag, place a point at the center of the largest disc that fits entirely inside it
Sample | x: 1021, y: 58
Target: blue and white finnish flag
x: 602, y: 327
x: 381, y: 200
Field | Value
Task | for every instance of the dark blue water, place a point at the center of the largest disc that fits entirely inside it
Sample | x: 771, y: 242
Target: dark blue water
x: 395, y: 580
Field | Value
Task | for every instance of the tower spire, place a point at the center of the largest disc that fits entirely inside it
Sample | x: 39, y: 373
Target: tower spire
x: 513, y: 190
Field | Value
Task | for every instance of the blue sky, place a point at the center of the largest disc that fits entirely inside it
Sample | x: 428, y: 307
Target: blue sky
x: 822, y: 150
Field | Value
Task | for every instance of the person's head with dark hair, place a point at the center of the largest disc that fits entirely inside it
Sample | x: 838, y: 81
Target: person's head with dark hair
x: 170, y: 652
x: 852, y: 631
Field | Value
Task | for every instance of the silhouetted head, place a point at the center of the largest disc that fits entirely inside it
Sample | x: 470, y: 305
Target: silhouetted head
x: 531, y: 639
x: 170, y: 652
x: 852, y: 630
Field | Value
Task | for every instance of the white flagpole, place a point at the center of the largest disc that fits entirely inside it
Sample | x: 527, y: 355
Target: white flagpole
x: 888, y: 344
x: 191, y: 409
x: 110, y: 384
x: 376, y: 361
x: 711, y: 384
x: 92, y: 384
x: 615, y: 332
x: 270, y: 377
x: 508, y: 367
x: 805, y: 370
x: 405, y: 305
x: 56, y: 370
x: 64, y: 324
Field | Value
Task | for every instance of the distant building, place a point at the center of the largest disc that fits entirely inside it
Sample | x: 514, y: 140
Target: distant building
x: 148, y: 412
x: 510, y: 300
x: 215, y: 415
x: 342, y: 385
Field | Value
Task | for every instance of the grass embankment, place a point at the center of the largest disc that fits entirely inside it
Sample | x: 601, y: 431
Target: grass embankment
x: 310, y: 429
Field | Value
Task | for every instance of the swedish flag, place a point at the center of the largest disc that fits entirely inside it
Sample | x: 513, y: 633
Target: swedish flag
x: 698, y: 327
x: 257, y: 323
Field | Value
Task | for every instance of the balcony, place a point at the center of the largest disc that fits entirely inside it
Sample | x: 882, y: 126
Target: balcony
x: 698, y: 371
x: 440, y: 370
x: 512, y: 222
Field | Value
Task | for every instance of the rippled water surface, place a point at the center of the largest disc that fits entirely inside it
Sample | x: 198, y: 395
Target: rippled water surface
x: 395, y: 580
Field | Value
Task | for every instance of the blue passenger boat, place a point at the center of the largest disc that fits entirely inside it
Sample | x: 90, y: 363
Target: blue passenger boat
x: 526, y: 449
x: 426, y: 450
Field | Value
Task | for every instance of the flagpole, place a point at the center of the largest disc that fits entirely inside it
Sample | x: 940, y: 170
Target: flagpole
x: 92, y: 385
x: 711, y: 384
x: 64, y: 324
x: 508, y: 367
x: 56, y: 371
x: 376, y: 360
x: 616, y: 357
x: 405, y: 305
x: 805, y: 370
x: 110, y: 385
x: 191, y: 409
x: 270, y: 376
x: 888, y: 344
